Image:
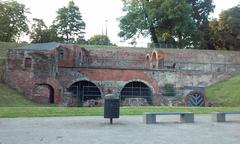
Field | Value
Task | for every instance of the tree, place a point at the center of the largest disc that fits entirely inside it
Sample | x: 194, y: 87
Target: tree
x: 225, y: 32
x: 200, y: 12
x: 99, y: 40
x: 69, y: 23
x: 39, y: 33
x: 13, y: 20
x: 53, y: 35
x: 201, y: 9
x: 136, y: 21
x: 213, y: 43
x: 165, y: 20
x: 229, y: 29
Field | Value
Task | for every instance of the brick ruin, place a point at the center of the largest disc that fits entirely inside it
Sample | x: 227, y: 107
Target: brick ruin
x: 71, y: 75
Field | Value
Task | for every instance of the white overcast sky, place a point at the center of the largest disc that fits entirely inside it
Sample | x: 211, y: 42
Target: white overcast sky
x: 96, y: 12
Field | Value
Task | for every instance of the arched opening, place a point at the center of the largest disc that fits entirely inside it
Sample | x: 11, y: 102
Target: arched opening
x: 154, y: 60
x: 136, y: 93
x: 43, y: 93
x: 147, y: 62
x: 51, y: 95
x: 84, y: 92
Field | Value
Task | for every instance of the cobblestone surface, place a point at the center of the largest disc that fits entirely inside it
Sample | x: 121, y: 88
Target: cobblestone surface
x: 126, y: 130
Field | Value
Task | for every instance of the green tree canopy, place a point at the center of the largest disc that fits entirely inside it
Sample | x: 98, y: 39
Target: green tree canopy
x: 225, y: 32
x: 69, y: 23
x: 167, y: 21
x: 40, y: 33
x: 13, y: 20
x: 136, y: 21
x: 99, y: 40
x: 201, y: 10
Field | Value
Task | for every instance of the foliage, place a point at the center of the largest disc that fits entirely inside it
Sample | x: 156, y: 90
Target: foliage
x: 225, y: 32
x: 169, y: 90
x: 13, y: 20
x: 167, y: 21
x: 135, y: 22
x: 229, y: 28
x: 53, y: 34
x: 201, y: 9
x: 214, y: 35
x: 99, y: 40
x: 41, y: 33
x: 11, y: 98
x: 225, y: 93
x: 69, y: 23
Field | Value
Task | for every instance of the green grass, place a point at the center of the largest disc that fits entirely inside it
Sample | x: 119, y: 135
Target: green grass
x: 225, y: 93
x: 98, y: 111
x: 11, y: 98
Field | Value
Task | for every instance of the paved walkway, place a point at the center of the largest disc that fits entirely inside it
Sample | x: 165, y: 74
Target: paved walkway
x: 126, y: 130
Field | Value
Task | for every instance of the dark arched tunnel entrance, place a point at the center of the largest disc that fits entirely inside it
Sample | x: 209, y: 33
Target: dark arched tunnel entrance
x: 84, y: 91
x: 136, y: 90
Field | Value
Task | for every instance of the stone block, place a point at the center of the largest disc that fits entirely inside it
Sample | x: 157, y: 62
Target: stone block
x: 187, y: 118
x: 218, y: 117
x: 149, y: 118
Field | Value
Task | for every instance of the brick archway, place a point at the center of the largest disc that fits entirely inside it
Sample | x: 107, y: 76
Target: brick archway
x: 137, y: 90
x: 43, y: 93
x: 84, y: 91
x: 148, y: 62
x: 154, y: 59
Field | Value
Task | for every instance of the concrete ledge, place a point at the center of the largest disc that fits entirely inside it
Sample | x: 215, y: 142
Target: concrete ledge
x: 149, y: 118
x: 185, y: 117
x: 221, y: 116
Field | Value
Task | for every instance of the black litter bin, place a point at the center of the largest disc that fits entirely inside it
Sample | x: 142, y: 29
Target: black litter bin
x: 111, y: 106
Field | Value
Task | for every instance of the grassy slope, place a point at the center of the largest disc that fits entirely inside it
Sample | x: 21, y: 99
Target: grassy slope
x: 225, y: 93
x: 11, y: 98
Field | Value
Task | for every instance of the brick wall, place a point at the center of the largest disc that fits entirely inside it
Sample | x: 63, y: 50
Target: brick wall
x: 112, y: 69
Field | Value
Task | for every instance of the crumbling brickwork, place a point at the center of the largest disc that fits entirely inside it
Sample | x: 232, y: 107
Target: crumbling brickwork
x: 71, y: 75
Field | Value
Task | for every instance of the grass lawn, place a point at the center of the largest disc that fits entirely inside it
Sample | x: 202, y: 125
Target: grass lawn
x: 225, y: 93
x: 11, y: 98
x: 98, y: 111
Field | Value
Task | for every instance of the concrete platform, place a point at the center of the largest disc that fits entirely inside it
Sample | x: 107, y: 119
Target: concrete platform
x: 185, y: 117
x: 126, y: 130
